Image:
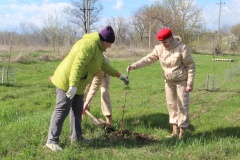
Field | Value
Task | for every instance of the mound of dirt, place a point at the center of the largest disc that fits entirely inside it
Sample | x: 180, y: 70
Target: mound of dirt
x: 111, y: 133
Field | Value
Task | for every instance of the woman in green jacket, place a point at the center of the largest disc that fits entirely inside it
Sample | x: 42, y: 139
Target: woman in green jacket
x: 71, y: 78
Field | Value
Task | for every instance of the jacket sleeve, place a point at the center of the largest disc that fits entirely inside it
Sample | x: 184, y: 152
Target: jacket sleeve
x: 147, y: 60
x: 189, y: 63
x: 108, y: 68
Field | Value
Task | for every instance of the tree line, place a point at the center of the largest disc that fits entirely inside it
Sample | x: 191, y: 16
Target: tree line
x: 185, y: 18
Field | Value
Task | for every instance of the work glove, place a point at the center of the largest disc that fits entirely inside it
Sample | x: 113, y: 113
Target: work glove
x: 124, y: 79
x: 71, y: 92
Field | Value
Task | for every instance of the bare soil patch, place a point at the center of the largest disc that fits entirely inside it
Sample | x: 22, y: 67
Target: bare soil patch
x: 111, y: 133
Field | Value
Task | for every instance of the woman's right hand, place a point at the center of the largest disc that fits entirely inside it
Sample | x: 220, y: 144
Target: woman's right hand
x: 86, y: 106
x: 129, y: 68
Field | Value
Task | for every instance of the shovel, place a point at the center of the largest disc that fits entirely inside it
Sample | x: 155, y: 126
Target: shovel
x: 96, y: 121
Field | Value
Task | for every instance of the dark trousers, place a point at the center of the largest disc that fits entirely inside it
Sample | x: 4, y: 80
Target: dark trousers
x: 65, y: 105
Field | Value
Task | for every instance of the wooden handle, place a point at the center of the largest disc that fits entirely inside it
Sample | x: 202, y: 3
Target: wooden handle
x: 91, y: 115
x: 86, y: 111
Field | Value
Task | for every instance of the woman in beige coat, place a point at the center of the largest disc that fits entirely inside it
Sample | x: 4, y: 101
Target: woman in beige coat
x: 179, y: 71
x: 100, y: 79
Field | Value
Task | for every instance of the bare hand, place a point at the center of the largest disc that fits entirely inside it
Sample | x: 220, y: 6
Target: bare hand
x: 86, y: 106
x: 129, y: 68
x: 188, y: 89
x: 50, y: 78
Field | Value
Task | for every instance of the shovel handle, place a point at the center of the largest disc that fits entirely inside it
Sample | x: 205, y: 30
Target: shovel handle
x: 91, y: 115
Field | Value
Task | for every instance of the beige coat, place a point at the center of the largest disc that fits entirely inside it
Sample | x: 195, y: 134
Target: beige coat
x: 100, y: 79
x: 179, y: 71
x: 176, y: 61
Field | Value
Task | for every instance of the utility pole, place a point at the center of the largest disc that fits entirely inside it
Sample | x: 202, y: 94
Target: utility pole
x: 87, y: 18
x: 150, y: 29
x: 218, y: 49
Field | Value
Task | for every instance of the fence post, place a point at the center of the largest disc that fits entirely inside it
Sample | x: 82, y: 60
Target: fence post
x: 2, y: 75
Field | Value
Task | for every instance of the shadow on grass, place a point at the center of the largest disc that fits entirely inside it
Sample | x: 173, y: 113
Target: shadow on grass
x: 124, y: 142
x: 160, y: 120
x: 213, y: 135
x: 157, y: 120
x: 217, y: 133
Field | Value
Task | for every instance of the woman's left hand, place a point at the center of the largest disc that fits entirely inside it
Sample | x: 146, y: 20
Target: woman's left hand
x: 188, y: 88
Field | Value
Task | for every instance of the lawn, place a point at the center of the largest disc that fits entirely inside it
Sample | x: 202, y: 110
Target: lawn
x: 26, y: 107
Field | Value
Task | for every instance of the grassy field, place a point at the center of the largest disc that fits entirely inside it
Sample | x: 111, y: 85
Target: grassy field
x: 214, y: 132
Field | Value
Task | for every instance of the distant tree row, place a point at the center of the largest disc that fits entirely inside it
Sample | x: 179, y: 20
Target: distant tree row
x: 185, y: 19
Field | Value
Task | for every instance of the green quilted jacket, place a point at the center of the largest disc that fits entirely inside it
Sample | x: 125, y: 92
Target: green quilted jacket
x: 81, y: 64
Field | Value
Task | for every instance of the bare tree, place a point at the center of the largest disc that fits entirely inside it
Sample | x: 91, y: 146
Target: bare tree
x: 25, y: 34
x: 141, y: 23
x: 31, y: 34
x: 69, y: 35
x: 187, y: 17
x: 51, y: 31
x: 121, y: 27
x: 147, y: 20
x: 161, y: 15
x: 8, y: 73
x: 84, y: 13
x: 235, y: 29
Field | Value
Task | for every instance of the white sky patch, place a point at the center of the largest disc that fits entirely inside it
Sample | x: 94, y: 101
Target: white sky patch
x: 12, y: 15
x: 118, y: 5
x: 11, y: 21
x: 230, y: 13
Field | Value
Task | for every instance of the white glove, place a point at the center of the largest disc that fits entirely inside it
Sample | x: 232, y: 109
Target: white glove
x: 124, y: 79
x: 71, y: 92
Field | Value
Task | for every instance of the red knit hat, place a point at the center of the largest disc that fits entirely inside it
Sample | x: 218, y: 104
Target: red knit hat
x: 107, y: 34
x: 164, y: 34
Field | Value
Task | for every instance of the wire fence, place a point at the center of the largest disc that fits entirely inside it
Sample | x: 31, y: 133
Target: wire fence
x: 217, y: 81
x: 8, y: 75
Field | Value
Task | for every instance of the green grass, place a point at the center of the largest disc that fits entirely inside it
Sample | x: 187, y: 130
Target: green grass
x: 26, y: 108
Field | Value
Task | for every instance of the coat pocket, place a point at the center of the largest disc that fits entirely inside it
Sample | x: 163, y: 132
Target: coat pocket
x: 177, y: 75
x: 85, y: 76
